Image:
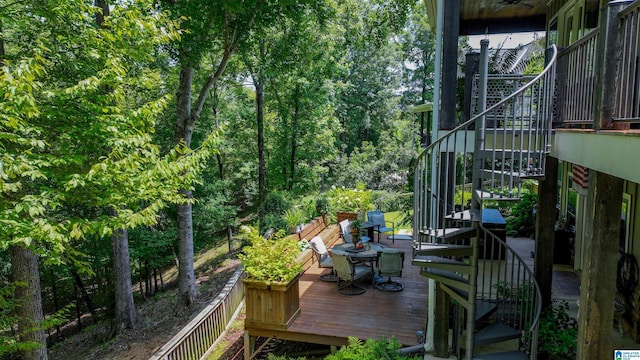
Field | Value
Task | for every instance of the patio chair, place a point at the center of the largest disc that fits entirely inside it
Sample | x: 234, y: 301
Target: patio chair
x: 390, y: 262
x: 349, y: 272
x: 345, y: 231
x: 377, y: 217
x: 324, y: 260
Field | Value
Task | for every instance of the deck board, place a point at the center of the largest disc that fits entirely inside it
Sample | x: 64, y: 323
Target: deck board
x: 328, y: 317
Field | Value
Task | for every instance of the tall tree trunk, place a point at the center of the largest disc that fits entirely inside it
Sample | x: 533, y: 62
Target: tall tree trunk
x: 262, y: 171
x: 125, y: 311
x: 294, y: 135
x: 183, y: 132
x: 186, y: 118
x: 24, y: 270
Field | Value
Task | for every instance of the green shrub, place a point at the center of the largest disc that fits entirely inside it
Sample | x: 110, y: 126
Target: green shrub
x: 294, y: 217
x: 520, y: 221
x: 370, y: 350
x: 558, y: 332
x: 349, y: 200
x: 270, y: 260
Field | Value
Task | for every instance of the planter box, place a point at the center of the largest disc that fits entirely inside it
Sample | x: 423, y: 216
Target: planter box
x: 346, y: 215
x: 271, y: 307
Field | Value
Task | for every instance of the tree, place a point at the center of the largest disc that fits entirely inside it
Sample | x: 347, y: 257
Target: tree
x: 418, y: 44
x: 78, y: 160
x: 217, y: 27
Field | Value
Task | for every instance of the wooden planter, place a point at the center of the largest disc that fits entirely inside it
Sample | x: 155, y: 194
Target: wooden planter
x: 271, y: 307
x: 346, y: 215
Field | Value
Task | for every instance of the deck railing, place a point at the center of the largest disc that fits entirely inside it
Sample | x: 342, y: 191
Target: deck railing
x: 201, y: 334
x: 627, y: 105
x: 576, y: 81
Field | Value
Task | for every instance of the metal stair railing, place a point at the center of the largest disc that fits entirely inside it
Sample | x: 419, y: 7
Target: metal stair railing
x: 495, y: 160
x: 444, y: 168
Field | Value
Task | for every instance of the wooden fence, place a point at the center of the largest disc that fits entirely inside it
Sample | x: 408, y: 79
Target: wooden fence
x: 201, y: 334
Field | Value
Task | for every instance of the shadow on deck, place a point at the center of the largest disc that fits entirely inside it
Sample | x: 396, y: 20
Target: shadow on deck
x: 328, y: 317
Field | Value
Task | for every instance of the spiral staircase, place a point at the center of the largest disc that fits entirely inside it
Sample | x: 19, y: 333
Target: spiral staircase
x: 494, y: 298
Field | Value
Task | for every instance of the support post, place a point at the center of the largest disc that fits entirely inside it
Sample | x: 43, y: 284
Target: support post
x: 441, y: 334
x: 249, y: 345
x: 597, y: 291
x: 545, y: 235
x: 606, y: 60
x: 450, y: 64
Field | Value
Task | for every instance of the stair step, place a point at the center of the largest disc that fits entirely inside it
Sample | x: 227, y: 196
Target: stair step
x: 486, y: 195
x: 507, y: 355
x: 448, y: 278
x: 498, y: 175
x: 495, y: 333
x: 438, y: 262
x: 434, y: 249
x: 466, y: 215
x: 484, y: 308
x: 449, y: 234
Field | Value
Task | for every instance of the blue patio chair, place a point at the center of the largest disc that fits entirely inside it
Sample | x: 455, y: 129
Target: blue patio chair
x: 377, y: 217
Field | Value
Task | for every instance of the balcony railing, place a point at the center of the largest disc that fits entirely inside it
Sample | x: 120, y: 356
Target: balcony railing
x: 576, y: 82
x: 627, y: 105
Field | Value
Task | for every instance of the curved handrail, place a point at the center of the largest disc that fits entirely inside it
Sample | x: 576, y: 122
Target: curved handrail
x: 447, y: 162
x: 495, y: 106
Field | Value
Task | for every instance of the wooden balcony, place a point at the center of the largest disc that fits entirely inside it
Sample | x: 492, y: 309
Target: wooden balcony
x: 328, y: 317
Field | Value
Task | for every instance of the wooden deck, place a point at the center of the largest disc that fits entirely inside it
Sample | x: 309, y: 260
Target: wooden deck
x: 328, y: 317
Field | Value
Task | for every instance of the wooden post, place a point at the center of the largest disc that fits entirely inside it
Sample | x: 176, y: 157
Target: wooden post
x: 249, y: 345
x: 545, y: 220
x: 606, y: 60
x: 447, y: 115
x: 441, y: 333
x: 599, y: 268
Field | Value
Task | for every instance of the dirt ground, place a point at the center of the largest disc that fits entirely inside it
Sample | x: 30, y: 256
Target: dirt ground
x: 158, y: 322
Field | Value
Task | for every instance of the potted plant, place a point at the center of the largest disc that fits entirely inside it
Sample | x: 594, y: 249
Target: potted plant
x: 355, y: 230
x: 271, y: 274
x: 294, y: 218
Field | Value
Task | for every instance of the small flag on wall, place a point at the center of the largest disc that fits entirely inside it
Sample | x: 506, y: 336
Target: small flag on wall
x: 580, y: 179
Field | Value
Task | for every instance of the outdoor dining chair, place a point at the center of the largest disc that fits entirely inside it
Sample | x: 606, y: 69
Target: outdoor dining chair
x: 349, y: 273
x: 324, y: 260
x: 377, y: 217
x: 390, y: 262
x: 345, y: 231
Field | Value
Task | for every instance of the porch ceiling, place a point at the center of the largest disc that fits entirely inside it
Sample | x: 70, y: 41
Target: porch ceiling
x: 478, y: 17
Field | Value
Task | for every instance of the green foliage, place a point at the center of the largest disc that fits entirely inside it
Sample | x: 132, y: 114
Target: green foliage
x: 294, y: 216
x: 370, y: 350
x: 520, y: 219
x: 462, y: 198
x: 270, y: 260
x: 507, y: 290
x: 274, y: 203
x: 349, y: 200
x: 322, y: 205
x: 558, y: 332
